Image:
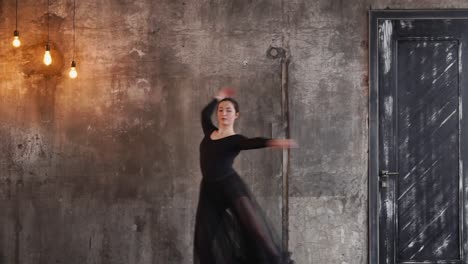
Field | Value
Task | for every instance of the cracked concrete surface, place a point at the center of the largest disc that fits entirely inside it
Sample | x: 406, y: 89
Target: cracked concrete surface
x: 104, y: 168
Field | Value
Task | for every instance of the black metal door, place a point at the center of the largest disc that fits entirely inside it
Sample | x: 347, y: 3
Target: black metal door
x: 421, y: 139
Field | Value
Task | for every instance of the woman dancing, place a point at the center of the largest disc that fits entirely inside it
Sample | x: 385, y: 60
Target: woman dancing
x: 230, y: 227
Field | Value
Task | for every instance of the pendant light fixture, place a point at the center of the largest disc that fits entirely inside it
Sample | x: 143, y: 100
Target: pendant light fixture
x: 16, y: 41
x: 73, y: 74
x: 47, y: 56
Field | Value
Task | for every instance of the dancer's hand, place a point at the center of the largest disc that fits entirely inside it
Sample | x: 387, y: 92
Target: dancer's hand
x: 225, y: 92
x: 282, y: 143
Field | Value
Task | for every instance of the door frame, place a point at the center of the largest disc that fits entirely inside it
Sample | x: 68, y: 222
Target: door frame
x: 374, y: 17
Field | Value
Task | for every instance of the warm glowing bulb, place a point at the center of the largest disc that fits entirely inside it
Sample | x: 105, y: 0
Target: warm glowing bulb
x: 47, y: 56
x: 16, y: 41
x: 73, y: 72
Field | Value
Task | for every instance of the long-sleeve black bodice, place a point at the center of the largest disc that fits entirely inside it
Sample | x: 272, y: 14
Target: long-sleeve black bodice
x: 217, y: 156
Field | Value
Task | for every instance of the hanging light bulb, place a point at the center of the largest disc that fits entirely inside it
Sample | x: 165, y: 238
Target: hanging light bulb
x: 73, y: 74
x: 47, y: 56
x: 16, y: 41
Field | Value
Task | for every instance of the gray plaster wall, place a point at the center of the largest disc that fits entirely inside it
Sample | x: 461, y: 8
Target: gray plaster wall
x: 104, y: 168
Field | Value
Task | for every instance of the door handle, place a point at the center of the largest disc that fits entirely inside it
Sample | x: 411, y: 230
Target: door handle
x: 384, y: 175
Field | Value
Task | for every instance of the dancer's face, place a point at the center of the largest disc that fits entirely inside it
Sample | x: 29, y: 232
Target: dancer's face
x: 226, y: 114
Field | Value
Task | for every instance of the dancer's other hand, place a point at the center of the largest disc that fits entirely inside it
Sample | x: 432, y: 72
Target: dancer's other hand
x: 225, y: 92
x: 282, y: 143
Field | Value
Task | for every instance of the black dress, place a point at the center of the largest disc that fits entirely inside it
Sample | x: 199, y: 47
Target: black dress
x: 230, y: 226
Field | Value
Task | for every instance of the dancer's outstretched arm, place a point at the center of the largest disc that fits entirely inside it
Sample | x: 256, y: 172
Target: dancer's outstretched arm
x: 282, y: 143
x: 261, y: 142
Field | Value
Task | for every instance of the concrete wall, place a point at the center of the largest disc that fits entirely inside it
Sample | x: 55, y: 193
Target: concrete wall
x: 104, y: 168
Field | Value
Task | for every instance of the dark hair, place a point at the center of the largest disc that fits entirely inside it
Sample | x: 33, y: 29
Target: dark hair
x: 234, y: 102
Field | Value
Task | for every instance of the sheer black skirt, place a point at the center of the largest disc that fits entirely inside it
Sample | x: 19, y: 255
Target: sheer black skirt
x: 231, y: 228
